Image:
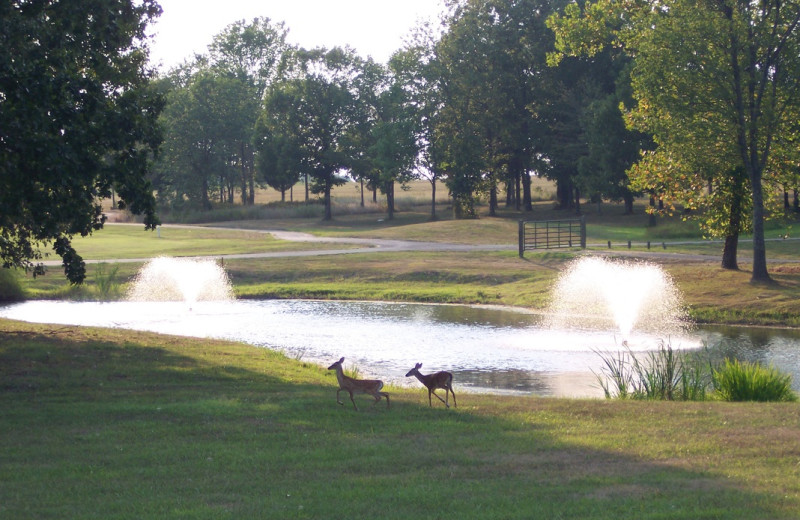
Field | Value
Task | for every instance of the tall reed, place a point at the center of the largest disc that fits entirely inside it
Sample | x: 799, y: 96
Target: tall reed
x: 663, y: 374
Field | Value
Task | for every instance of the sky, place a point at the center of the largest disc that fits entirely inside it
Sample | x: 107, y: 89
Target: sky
x: 372, y: 27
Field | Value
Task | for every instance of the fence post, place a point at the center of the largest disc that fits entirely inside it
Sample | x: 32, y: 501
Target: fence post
x: 521, y: 238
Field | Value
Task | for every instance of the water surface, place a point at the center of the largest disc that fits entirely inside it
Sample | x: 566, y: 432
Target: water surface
x: 487, y: 349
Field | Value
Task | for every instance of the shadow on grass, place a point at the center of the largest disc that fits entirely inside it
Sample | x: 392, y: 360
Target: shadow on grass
x: 119, y: 424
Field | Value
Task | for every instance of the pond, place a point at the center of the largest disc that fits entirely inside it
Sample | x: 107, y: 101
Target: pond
x: 488, y: 349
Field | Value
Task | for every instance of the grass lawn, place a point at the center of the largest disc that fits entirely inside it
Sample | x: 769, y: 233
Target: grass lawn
x: 498, y: 278
x: 117, y: 424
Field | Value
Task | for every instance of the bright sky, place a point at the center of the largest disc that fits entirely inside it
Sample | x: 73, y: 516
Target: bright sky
x: 373, y: 27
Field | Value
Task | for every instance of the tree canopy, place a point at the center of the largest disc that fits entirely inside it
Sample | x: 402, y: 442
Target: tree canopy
x: 78, y: 119
x: 715, y: 83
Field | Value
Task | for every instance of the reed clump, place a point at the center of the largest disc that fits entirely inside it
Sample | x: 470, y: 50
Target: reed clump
x: 738, y: 380
x: 679, y: 375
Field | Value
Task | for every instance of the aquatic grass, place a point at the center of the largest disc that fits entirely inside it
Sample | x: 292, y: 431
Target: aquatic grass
x: 108, y: 287
x: 662, y: 374
x: 738, y: 380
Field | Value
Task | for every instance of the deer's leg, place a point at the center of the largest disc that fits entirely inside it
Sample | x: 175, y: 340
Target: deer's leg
x: 454, y: 397
x: 337, y: 397
x: 384, y: 394
x: 439, y: 397
x: 353, y: 400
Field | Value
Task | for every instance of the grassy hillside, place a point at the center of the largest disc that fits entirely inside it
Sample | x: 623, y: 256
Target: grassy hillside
x: 126, y: 425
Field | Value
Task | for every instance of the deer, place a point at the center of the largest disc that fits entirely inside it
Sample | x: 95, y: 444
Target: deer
x: 443, y: 380
x: 366, y: 386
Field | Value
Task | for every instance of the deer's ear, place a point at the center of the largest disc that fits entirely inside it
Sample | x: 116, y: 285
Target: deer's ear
x: 341, y: 360
x: 419, y: 365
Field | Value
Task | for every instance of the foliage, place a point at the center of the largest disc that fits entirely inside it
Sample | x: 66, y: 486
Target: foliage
x: 713, y: 83
x: 746, y: 381
x: 10, y: 288
x: 106, y: 282
x: 210, y: 119
x: 663, y: 374
x: 491, y: 60
x: 312, y: 110
x: 77, y: 122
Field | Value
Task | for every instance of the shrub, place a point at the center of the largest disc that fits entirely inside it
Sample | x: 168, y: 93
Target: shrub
x: 105, y: 281
x: 10, y: 288
x: 744, y: 381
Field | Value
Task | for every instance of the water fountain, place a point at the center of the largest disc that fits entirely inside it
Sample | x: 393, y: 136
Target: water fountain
x: 625, y: 297
x: 180, y: 279
x: 597, y: 305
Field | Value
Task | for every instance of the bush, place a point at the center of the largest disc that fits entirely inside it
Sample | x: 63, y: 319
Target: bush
x: 10, y: 288
x: 744, y: 381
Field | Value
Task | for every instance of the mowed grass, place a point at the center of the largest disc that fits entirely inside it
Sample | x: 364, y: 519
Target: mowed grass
x: 127, y: 425
x: 126, y: 241
x: 712, y: 294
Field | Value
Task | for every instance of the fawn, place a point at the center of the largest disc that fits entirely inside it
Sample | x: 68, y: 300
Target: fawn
x: 433, y: 381
x: 366, y: 386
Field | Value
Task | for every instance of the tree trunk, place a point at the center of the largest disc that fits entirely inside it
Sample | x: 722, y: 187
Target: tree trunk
x: 205, y: 201
x: 493, y: 200
x: 362, y: 191
x: 390, y: 200
x: 564, y: 193
x: 628, y: 198
x: 651, y: 219
x: 760, y: 273
x: 328, y: 212
x: 730, y: 251
x: 527, y: 203
x: 433, y: 197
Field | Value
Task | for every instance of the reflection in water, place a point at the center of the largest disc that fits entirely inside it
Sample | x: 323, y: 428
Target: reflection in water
x: 487, y: 349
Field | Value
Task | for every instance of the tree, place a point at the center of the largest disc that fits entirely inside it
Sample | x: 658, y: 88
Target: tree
x: 317, y: 106
x: 78, y: 119
x: 250, y: 53
x: 417, y: 71
x: 729, y: 64
x: 207, y: 122
x: 279, y: 160
x: 393, y: 149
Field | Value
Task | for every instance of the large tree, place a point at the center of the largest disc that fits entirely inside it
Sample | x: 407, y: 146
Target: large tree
x: 251, y: 53
x: 731, y: 64
x: 316, y: 106
x: 77, y: 120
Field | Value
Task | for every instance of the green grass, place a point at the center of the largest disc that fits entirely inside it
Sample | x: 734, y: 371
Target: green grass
x: 124, y: 241
x: 501, y: 278
x: 745, y: 381
x: 125, y: 425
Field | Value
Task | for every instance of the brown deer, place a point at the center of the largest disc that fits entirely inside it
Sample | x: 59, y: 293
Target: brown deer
x: 443, y: 380
x: 350, y: 385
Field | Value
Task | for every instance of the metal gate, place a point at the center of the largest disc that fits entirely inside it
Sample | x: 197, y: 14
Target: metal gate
x: 549, y: 234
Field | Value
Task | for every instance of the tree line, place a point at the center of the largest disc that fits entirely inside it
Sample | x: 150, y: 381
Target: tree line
x: 693, y: 104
